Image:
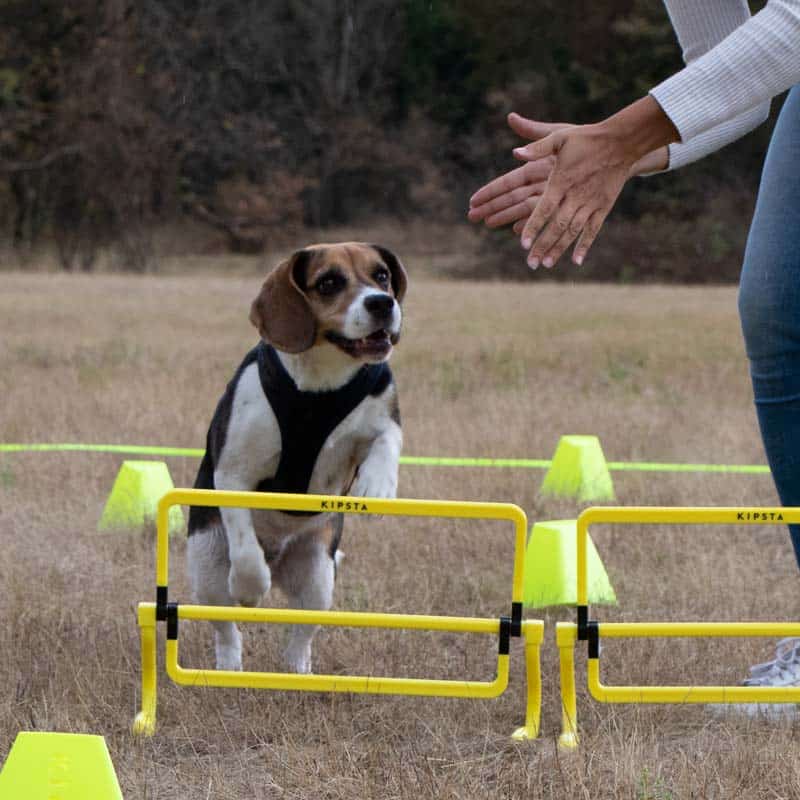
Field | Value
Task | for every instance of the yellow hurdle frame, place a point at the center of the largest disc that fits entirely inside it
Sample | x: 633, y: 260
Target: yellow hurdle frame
x: 149, y: 614
x: 593, y: 631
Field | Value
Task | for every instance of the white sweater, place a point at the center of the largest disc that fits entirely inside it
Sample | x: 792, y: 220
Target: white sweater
x: 735, y: 64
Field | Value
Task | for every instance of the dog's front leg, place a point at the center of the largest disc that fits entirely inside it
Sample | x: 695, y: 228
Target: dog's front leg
x: 377, y: 473
x: 249, y: 578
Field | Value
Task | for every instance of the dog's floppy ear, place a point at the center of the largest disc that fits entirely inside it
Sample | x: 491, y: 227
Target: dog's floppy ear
x: 399, y: 278
x: 281, y: 311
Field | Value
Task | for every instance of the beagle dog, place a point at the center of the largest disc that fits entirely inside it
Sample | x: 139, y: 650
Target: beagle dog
x: 312, y: 408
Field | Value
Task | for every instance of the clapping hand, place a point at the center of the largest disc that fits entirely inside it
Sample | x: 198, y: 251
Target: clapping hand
x: 571, y: 178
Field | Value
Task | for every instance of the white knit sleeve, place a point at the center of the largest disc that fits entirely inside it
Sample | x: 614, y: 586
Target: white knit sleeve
x: 758, y: 60
x: 683, y: 153
x: 699, y: 26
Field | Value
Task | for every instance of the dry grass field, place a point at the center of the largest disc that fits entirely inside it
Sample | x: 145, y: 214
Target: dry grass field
x: 483, y: 370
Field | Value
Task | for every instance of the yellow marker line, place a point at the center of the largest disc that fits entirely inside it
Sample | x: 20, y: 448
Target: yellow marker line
x: 426, y: 461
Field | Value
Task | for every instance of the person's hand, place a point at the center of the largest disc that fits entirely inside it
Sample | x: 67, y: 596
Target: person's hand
x: 592, y: 163
x: 654, y: 161
x: 512, y: 196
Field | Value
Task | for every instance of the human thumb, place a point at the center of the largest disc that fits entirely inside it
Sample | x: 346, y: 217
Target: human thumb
x: 531, y: 128
x: 541, y: 149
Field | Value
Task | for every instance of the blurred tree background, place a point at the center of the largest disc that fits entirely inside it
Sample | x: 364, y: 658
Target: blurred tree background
x: 261, y: 118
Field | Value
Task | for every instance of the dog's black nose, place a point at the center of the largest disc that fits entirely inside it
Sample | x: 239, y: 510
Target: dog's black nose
x: 379, y: 305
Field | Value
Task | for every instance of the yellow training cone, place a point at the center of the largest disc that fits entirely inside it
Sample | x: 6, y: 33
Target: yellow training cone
x: 551, y: 568
x: 134, y: 497
x: 66, y: 766
x: 579, y: 470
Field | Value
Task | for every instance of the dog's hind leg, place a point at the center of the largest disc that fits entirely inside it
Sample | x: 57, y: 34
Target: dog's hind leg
x: 306, y: 575
x: 209, y: 565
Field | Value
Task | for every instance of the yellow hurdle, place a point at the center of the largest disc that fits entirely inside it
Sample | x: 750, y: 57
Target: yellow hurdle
x: 149, y: 614
x: 592, y: 631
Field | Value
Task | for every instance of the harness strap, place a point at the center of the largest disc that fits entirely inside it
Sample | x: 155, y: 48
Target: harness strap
x: 306, y: 419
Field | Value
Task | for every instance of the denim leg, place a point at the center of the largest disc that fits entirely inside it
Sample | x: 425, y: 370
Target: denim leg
x: 769, y: 306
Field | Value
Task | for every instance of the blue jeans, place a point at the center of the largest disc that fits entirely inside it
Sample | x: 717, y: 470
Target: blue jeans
x: 769, y: 306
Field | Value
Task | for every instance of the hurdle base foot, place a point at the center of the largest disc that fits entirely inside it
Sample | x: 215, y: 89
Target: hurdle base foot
x: 525, y: 733
x: 144, y: 724
x: 568, y: 741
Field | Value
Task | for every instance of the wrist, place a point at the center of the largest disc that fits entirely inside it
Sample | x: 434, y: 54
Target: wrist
x: 654, y: 161
x: 641, y: 128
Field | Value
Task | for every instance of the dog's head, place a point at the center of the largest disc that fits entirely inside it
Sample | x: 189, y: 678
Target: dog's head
x: 345, y: 294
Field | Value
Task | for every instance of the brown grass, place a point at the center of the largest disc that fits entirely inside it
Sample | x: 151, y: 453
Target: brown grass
x: 484, y: 370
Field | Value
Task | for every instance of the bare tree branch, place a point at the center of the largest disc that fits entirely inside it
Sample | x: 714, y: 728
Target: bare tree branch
x: 41, y: 163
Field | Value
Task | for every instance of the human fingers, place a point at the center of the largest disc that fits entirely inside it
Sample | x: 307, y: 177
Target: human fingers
x: 496, y: 212
x: 499, y: 186
x: 557, y: 227
x: 518, y: 226
x: 572, y: 232
x: 590, y: 171
x: 531, y: 172
x: 548, y: 146
x: 519, y: 211
x: 503, y: 201
x: 531, y: 128
x: 546, y: 207
x: 590, y: 231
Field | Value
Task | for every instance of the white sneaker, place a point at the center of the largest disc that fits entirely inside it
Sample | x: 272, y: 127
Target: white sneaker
x: 783, y: 670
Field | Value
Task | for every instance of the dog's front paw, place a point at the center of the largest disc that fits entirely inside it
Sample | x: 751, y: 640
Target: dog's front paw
x: 249, y: 580
x: 372, y: 484
x: 229, y: 652
x: 298, y: 657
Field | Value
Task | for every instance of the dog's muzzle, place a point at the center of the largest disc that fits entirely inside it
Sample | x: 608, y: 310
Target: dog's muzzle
x: 376, y: 346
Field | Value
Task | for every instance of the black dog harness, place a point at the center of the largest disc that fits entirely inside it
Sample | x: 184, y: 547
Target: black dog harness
x: 307, y: 419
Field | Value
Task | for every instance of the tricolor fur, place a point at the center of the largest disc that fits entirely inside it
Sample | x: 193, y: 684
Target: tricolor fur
x: 329, y: 317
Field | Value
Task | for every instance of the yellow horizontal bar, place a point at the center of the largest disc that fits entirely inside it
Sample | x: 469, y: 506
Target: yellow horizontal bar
x: 347, y: 505
x: 655, y: 630
x: 689, y: 515
x: 336, y: 683
x: 686, y: 694
x: 660, y: 515
x: 351, y: 619
x: 453, y: 509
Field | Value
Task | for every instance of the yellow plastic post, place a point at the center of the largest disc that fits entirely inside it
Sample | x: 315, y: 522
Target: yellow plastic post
x: 551, y: 572
x: 533, y: 634
x: 133, y: 501
x: 59, y: 766
x: 566, y: 636
x: 579, y: 471
x: 145, y: 722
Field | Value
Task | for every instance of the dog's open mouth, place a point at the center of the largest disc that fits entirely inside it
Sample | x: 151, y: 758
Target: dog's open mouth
x: 377, y: 345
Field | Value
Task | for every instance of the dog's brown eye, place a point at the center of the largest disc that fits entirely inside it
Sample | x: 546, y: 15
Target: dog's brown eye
x: 382, y: 277
x: 330, y: 284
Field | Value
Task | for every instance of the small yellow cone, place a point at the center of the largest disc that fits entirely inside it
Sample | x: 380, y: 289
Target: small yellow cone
x: 133, y: 501
x: 66, y: 766
x: 579, y: 470
x: 551, y: 568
